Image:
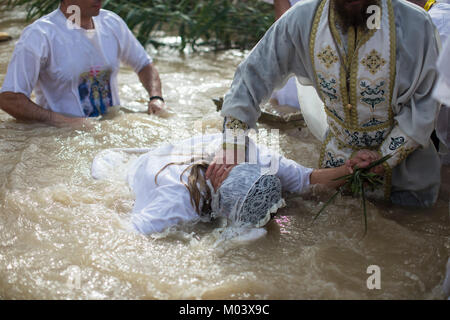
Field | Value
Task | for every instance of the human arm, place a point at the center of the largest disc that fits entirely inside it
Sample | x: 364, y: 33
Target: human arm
x: 293, y: 176
x: 29, y: 58
x: 133, y: 54
x: 327, y: 176
x: 23, y: 109
x: 295, y: 181
x: 151, y: 81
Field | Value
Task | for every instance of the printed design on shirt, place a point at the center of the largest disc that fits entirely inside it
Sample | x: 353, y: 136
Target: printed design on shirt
x: 327, y: 57
x: 95, y: 91
x: 373, y: 61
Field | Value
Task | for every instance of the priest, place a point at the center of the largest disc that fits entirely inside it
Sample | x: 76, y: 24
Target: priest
x: 373, y: 64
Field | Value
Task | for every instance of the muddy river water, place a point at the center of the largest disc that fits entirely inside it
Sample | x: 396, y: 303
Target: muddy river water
x: 61, y: 236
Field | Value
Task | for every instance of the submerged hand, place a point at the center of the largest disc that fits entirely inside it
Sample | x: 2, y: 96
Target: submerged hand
x: 61, y: 121
x: 156, y: 107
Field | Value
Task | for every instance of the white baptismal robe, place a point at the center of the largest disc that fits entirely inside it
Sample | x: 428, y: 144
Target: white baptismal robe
x: 286, y: 50
x: 160, y: 206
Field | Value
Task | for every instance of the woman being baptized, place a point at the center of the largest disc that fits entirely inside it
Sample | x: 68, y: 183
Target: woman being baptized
x: 171, y: 189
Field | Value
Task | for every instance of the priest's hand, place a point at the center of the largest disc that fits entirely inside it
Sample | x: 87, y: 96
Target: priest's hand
x: 364, y: 158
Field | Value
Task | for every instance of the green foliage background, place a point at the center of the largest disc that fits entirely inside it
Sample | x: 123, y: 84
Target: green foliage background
x: 222, y: 24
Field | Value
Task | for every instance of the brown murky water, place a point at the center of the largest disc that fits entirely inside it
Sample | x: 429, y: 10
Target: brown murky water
x: 57, y: 224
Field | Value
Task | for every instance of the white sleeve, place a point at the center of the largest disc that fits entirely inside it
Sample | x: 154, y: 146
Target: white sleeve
x: 282, y: 52
x: 29, y: 57
x: 293, y: 176
x: 131, y: 52
x: 170, y: 206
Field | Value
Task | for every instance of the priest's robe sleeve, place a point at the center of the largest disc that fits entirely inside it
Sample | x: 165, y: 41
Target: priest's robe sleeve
x: 281, y: 53
x: 414, y: 107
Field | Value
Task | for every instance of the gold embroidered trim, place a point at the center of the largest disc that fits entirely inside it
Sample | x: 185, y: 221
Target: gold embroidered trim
x: 387, y: 124
x: 235, y: 124
x: 351, y: 60
x: 400, y: 155
x: 327, y: 57
x: 324, y: 147
x: 312, y: 40
x: 393, y: 56
x: 373, y: 61
x: 345, y: 145
x: 362, y: 37
x: 343, y: 76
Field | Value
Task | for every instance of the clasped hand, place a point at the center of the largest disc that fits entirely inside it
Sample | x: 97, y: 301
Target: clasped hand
x: 364, y: 158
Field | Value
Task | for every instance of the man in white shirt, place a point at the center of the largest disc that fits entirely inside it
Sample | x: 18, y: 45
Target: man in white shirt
x: 71, y: 62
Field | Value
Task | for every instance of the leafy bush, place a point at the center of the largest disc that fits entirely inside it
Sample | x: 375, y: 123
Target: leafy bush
x: 221, y: 24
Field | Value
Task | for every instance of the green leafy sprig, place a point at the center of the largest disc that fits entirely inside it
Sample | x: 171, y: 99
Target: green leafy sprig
x: 356, y: 183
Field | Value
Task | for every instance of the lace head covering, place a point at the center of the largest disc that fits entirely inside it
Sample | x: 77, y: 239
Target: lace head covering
x: 248, y: 196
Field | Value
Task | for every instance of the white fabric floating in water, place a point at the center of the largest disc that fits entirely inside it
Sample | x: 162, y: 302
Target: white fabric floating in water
x: 113, y: 164
x: 236, y: 236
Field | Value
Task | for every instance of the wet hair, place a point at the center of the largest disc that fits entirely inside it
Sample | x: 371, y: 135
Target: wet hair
x: 196, y: 184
